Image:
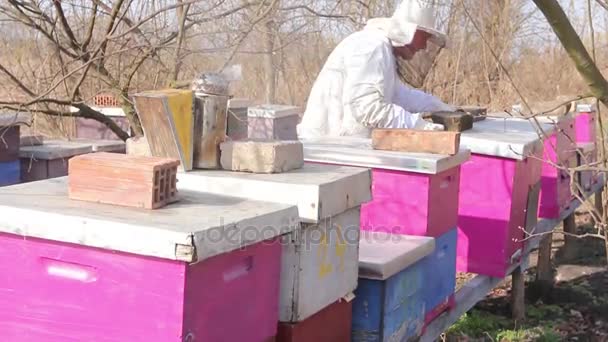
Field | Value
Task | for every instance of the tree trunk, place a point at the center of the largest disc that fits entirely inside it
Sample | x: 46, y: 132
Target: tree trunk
x: 575, y: 48
x: 573, y: 45
x: 271, y: 76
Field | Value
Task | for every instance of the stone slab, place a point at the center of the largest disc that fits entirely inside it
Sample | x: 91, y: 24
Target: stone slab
x: 138, y: 146
x: 260, y: 156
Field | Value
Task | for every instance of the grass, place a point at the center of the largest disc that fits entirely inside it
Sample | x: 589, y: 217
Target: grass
x: 487, y: 326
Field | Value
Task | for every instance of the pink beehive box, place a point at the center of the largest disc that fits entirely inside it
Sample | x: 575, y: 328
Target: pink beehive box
x: 559, y: 155
x: 586, y: 139
x: 499, y: 190
x: 412, y: 193
x: 323, y: 254
x: 200, y: 269
x: 585, y: 117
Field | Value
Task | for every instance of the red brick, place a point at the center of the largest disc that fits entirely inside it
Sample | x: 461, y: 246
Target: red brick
x: 105, y: 100
x: 119, y: 179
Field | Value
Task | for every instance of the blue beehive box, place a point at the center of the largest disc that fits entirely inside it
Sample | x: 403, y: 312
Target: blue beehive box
x: 389, y: 303
x: 440, y: 275
x: 10, y: 173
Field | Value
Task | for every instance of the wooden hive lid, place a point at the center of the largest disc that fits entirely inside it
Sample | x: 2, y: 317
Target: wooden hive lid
x: 382, y: 255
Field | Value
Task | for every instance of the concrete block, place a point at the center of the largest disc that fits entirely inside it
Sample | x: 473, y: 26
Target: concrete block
x: 262, y: 156
x: 138, y: 146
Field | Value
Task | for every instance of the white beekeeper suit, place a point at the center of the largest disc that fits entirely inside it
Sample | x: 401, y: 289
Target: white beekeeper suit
x: 359, y: 89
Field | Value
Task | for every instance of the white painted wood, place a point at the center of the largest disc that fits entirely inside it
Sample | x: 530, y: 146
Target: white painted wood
x: 354, y: 151
x: 107, y: 111
x: 319, y: 266
x: 14, y: 118
x: 586, y: 147
x: 236, y: 103
x: 382, y: 255
x: 211, y: 224
x: 55, y: 149
x: 272, y: 111
x: 513, y: 138
x: 477, y: 288
x: 319, y: 191
x: 586, y: 108
x: 99, y: 145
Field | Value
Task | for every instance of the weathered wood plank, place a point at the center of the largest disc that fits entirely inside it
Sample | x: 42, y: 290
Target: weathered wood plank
x: 167, y: 120
x: 409, y: 140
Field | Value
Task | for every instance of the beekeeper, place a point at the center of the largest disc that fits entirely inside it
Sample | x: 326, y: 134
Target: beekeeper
x: 359, y: 89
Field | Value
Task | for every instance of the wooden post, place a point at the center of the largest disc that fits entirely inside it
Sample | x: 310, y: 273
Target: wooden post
x: 544, y: 269
x: 599, y: 205
x: 570, y: 241
x: 518, y: 300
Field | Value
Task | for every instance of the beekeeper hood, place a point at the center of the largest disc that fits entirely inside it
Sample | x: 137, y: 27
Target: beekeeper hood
x: 410, y: 15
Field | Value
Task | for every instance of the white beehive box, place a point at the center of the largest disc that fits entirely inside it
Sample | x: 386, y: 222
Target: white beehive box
x: 237, y: 118
x: 273, y: 122
x: 320, y: 261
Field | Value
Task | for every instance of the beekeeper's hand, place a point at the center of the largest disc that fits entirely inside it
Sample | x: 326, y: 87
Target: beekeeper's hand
x: 424, y: 125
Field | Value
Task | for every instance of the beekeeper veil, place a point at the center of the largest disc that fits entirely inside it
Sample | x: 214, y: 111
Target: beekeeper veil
x: 412, y: 15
